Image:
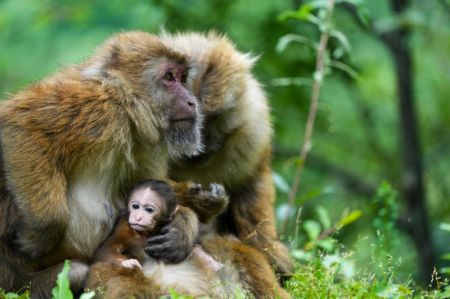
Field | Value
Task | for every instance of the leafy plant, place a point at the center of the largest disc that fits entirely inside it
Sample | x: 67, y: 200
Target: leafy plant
x: 62, y: 288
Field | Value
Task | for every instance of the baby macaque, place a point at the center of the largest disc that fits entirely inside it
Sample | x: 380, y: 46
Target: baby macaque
x: 151, y: 205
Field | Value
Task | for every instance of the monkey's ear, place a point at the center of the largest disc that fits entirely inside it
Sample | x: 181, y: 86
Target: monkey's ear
x: 101, y: 64
x: 123, y: 213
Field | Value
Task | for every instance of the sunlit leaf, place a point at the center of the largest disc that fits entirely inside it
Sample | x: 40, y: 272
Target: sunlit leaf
x: 347, y: 219
x: 62, y: 288
x: 446, y: 257
x: 343, y: 40
x: 323, y: 216
x: 285, y: 211
x: 445, y: 294
x: 312, y: 229
x: 280, y: 182
x: 287, y: 39
x: 345, y: 68
x: 302, y: 255
x: 303, y: 13
x: 445, y: 227
x: 327, y: 244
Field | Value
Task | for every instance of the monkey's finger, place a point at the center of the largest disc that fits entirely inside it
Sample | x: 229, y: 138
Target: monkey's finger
x: 164, y: 230
x: 158, y: 239
x: 195, y: 188
x: 157, y: 251
x: 217, y: 190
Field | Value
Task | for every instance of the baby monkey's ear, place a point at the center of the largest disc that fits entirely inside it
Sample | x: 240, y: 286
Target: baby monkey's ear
x: 123, y: 213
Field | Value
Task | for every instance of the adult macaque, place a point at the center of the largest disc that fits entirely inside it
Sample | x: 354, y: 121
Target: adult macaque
x: 237, y: 141
x: 73, y: 143
x: 122, y: 270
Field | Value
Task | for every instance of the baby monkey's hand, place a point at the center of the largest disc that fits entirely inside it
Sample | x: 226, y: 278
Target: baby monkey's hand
x: 131, y: 263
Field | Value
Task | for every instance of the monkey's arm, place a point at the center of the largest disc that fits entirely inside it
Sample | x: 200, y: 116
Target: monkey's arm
x: 176, y: 239
x: 207, y: 204
x: 39, y: 189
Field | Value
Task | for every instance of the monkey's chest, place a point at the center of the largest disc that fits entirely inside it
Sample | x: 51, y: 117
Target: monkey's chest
x: 92, y: 216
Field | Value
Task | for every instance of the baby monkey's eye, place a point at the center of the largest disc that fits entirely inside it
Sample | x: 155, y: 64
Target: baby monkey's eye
x: 149, y: 209
x: 135, y: 206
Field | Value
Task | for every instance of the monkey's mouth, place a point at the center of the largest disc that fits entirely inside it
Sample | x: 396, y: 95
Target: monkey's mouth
x: 184, y: 122
x: 139, y: 228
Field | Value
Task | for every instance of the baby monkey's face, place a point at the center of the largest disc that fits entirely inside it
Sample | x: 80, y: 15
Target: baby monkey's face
x: 145, y: 208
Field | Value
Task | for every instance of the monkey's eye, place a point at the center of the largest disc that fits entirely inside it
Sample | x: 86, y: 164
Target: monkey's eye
x: 169, y: 76
x: 149, y: 209
x: 135, y: 206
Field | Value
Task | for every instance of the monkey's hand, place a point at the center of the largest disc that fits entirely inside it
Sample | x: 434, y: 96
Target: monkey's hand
x: 207, y: 204
x: 131, y: 263
x: 176, y: 239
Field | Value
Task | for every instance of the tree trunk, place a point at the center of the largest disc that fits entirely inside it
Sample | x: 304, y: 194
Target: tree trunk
x: 413, y: 190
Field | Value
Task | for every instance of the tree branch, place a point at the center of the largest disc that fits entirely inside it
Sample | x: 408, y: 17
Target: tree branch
x: 318, y: 78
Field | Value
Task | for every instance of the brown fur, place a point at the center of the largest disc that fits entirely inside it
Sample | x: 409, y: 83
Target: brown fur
x: 237, y: 140
x: 72, y: 144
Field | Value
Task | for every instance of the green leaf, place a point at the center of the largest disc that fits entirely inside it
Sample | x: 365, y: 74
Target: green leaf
x: 327, y: 244
x: 62, y: 289
x: 445, y: 294
x: 287, y: 39
x: 312, y: 229
x: 302, y: 255
x: 445, y: 227
x: 446, y: 257
x: 323, y: 216
x: 342, y: 38
x: 280, y: 182
x: 352, y: 217
x: 346, y: 69
x: 303, y: 13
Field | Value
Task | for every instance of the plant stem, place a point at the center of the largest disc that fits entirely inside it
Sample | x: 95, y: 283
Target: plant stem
x: 318, y: 78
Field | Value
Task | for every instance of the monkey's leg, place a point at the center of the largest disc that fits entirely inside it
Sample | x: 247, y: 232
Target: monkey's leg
x: 252, y: 213
x: 205, y: 203
x: 44, y: 281
x: 112, y: 281
x: 254, y: 269
x: 12, y: 277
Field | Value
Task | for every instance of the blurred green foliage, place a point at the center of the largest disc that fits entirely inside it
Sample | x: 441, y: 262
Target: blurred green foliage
x: 355, y: 143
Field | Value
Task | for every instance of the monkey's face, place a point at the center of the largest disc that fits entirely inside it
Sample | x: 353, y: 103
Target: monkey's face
x: 145, y: 208
x: 184, y: 117
x: 154, y: 88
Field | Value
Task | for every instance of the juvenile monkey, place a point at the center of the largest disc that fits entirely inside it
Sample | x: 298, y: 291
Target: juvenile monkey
x: 73, y: 143
x: 151, y: 205
x: 237, y: 137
